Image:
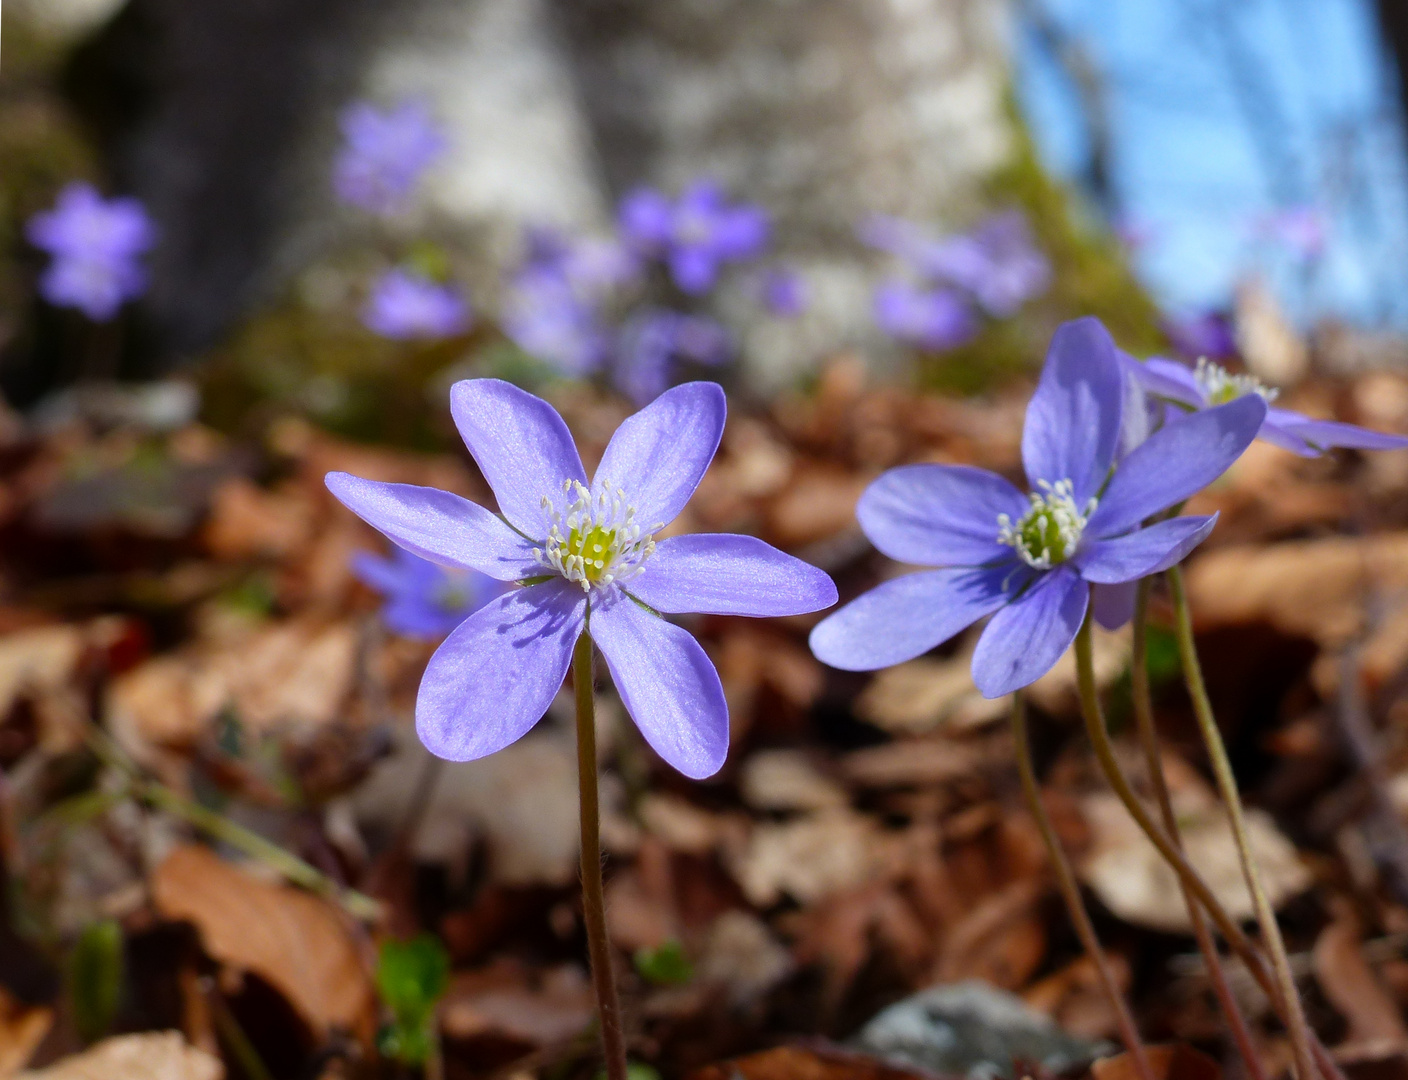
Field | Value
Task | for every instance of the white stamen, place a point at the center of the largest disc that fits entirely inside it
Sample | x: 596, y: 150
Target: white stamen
x: 1049, y: 532
x: 597, y: 540
x: 1221, y: 386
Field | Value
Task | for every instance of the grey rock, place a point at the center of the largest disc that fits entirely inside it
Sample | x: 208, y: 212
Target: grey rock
x: 971, y: 1029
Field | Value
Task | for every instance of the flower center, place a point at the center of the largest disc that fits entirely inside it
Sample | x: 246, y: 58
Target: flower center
x: 1049, y: 531
x: 1221, y: 386
x: 596, y: 541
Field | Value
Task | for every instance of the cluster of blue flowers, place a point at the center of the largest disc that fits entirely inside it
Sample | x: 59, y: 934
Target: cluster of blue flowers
x: 622, y: 304
x: 1111, y: 447
x: 950, y: 282
x: 384, y: 156
x: 96, y: 246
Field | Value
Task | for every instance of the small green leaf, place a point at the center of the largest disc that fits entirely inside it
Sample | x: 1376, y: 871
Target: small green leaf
x: 95, y: 978
x: 411, y: 977
x: 665, y: 965
x: 635, y: 1070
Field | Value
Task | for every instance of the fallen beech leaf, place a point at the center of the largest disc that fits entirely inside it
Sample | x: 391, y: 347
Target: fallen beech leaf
x: 248, y: 522
x: 741, y: 954
x: 1177, y: 1062
x: 22, y: 1029
x: 809, y: 858
x: 911, y: 763
x: 787, y: 780
x: 1308, y: 588
x: 818, y: 503
x: 503, y: 1001
x: 916, y: 697
x: 1375, y: 1024
x: 157, y: 1055
x: 37, y: 660
x: 1134, y: 882
x: 814, y: 1062
x: 296, y: 942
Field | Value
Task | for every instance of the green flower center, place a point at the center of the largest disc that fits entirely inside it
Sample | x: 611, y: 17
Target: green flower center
x: 1050, y: 531
x: 596, y: 541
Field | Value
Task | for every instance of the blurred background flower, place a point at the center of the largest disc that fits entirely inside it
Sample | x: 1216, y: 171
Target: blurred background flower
x: 423, y: 600
x: 95, y: 245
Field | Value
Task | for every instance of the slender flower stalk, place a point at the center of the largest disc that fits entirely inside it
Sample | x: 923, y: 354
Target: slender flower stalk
x: 1296, y: 1024
x: 1070, y: 893
x: 1148, y: 739
x: 1236, y: 938
x: 608, y: 1004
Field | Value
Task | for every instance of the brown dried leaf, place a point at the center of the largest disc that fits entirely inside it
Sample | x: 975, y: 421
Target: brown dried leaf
x: 788, y: 780
x: 1308, y: 588
x: 1176, y: 1062
x: 298, y: 943
x: 1375, y: 1023
x: 805, y: 1063
x: 916, y: 697
x: 155, y: 1055
x: 1134, y: 882
x: 911, y: 763
x: 809, y: 858
x: 36, y: 661
x: 503, y: 1001
x: 248, y: 522
x: 22, y: 1029
x: 819, y: 503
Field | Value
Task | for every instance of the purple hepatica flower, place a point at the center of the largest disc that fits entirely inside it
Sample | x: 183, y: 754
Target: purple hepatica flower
x: 1208, y: 385
x: 784, y: 292
x: 585, y: 555
x: 423, y: 600
x: 998, y: 264
x: 934, y: 319
x: 695, y: 235
x: 384, y: 154
x: 547, y: 318
x: 652, y: 342
x: 404, y: 306
x: 1029, y: 561
x: 1209, y: 334
x: 95, y: 244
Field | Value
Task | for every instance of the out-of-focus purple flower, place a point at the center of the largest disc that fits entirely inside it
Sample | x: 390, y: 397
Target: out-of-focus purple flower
x: 549, y: 319
x: 95, y: 244
x: 1030, y: 561
x: 1210, y: 385
x: 654, y: 341
x: 384, y: 154
x: 1304, y: 230
x: 1209, y: 334
x: 997, y: 263
x: 591, y: 266
x: 404, y: 306
x: 583, y: 550
x: 784, y: 292
x: 423, y: 600
x: 696, y: 234
x: 933, y: 319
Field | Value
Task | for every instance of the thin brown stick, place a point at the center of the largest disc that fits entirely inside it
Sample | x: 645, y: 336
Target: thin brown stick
x: 1070, y: 893
x: 1149, y: 741
x: 608, y: 1005
x: 1296, y: 1024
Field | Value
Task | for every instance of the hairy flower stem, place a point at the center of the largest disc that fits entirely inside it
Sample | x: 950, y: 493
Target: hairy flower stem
x: 1236, y: 938
x: 1296, y: 1025
x: 608, y: 1005
x: 1070, y: 893
x: 1148, y: 738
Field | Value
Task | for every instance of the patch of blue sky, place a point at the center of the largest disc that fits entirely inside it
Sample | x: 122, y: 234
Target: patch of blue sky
x: 1221, y: 113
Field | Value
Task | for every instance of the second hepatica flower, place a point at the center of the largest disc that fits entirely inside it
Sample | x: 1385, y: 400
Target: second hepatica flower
x: 1029, y: 560
x: 384, y: 154
x: 695, y: 234
x: 96, y: 245
x: 585, y: 554
x: 1209, y: 384
x: 405, y: 306
x: 423, y: 600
